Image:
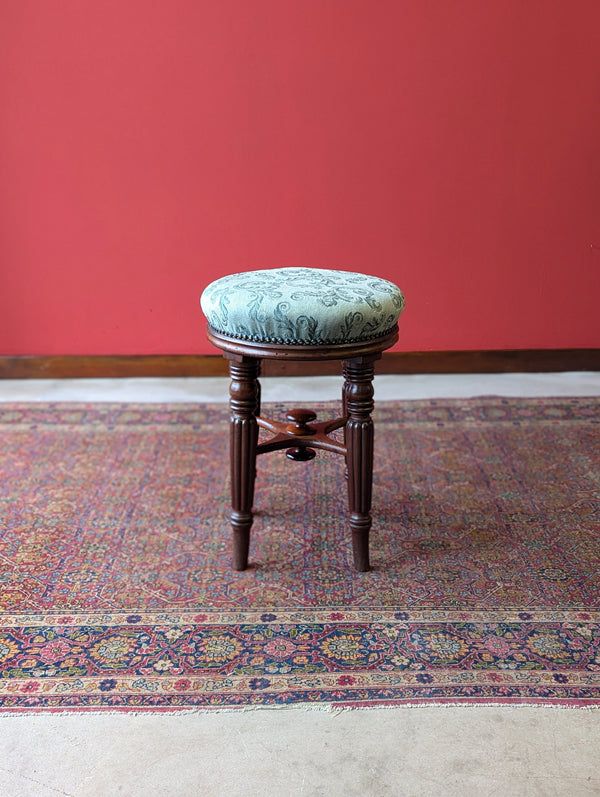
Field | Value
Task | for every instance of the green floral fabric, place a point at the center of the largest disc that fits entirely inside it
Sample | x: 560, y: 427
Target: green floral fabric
x: 309, y: 306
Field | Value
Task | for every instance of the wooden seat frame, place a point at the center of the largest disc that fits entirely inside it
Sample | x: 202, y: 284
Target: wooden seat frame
x: 301, y: 434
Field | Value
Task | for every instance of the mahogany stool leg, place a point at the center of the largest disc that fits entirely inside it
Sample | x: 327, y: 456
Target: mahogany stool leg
x: 359, y: 433
x: 244, y: 397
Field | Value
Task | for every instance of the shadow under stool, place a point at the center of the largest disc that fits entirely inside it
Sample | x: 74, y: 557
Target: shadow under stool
x: 307, y: 315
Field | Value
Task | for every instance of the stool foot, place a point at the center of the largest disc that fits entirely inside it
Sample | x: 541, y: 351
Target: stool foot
x: 241, y: 524
x: 360, y: 527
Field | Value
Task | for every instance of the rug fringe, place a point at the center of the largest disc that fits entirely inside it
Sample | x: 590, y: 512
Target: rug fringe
x: 325, y: 708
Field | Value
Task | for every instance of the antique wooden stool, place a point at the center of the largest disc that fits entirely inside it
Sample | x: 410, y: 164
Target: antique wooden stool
x: 304, y: 314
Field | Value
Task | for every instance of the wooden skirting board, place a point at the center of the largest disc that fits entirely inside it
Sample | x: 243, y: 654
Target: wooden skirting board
x: 425, y: 362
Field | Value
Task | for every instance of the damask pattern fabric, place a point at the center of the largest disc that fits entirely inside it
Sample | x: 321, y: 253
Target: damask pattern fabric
x: 308, y: 306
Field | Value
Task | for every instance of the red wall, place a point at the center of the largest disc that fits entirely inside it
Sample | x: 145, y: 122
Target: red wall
x: 146, y: 148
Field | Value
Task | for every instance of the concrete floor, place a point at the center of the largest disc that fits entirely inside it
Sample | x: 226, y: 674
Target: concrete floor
x: 426, y: 750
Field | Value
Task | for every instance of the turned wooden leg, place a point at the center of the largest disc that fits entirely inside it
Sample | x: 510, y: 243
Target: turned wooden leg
x: 244, y: 398
x: 358, y: 396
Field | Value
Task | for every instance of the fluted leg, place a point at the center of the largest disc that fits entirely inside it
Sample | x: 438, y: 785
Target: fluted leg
x: 359, y: 433
x: 244, y: 398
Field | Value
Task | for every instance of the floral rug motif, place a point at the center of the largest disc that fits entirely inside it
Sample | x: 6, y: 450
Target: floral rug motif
x: 116, y: 590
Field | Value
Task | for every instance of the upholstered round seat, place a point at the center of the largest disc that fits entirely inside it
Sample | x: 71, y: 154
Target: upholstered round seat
x: 302, y: 306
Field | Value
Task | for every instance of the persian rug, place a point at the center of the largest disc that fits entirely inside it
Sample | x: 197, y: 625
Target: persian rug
x: 116, y: 590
